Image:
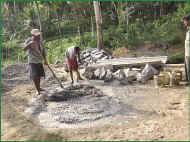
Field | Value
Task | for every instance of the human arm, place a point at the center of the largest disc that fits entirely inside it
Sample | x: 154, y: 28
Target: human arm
x: 27, y: 44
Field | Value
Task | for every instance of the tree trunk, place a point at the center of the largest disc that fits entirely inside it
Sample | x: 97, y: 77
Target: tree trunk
x: 38, y: 14
x: 59, y: 26
x: 48, y: 10
x: 98, y: 16
x: 161, y: 9
x: 115, y: 13
x: 15, y: 9
x: 13, y: 16
x: 39, y: 20
x: 79, y: 33
x: 92, y: 27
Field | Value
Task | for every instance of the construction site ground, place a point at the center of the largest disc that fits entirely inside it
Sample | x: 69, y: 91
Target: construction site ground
x: 146, y: 113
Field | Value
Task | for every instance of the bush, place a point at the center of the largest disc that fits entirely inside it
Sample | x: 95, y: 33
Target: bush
x: 56, y: 49
x: 11, y: 44
x: 12, y: 52
x: 115, y: 37
x: 120, y: 52
x: 176, y: 59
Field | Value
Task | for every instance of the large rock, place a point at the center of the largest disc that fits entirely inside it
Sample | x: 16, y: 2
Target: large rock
x: 88, y: 73
x: 148, y: 72
x: 98, y: 56
x: 130, y: 75
x: 109, y: 76
x: 105, y: 57
x: 95, y: 51
x: 102, y: 73
x: 87, y: 59
x: 86, y: 55
x: 119, y: 74
x: 97, y: 73
x: 139, y: 76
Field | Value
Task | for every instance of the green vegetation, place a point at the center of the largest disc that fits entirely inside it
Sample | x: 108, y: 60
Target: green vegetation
x: 73, y: 23
x: 176, y: 58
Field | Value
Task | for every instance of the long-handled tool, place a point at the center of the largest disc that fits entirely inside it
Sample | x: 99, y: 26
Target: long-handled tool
x: 49, y: 66
x: 55, y: 76
x: 52, y: 72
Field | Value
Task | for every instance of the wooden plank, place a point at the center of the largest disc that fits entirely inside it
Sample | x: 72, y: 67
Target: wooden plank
x: 117, y: 63
x: 163, y: 59
x: 122, y: 65
x: 157, y: 61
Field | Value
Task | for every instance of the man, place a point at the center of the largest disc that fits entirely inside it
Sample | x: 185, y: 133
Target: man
x: 71, y: 60
x: 36, y: 55
x: 187, y: 47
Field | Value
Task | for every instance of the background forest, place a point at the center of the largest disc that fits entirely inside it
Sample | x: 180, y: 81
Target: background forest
x: 125, y: 26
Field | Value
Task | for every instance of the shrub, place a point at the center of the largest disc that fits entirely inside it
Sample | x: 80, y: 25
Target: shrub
x: 120, y: 52
x: 176, y: 58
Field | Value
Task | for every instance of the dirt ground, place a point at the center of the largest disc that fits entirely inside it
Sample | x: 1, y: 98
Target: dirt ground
x: 153, y: 114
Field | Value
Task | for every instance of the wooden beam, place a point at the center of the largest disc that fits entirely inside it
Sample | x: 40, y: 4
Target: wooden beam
x: 131, y: 62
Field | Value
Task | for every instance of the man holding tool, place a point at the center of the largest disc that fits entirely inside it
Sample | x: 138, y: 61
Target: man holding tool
x: 36, y: 55
x: 186, y: 20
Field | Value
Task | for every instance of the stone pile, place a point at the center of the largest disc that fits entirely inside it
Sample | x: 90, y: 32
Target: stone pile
x: 123, y: 75
x: 92, y: 55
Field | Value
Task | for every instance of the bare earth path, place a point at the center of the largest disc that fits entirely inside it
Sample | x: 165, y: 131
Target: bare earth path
x: 147, y: 114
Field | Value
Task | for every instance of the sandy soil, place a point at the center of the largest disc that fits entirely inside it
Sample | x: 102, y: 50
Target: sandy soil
x: 155, y: 114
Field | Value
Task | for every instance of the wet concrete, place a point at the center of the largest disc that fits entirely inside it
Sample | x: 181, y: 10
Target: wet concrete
x: 83, y: 104
x: 72, y: 105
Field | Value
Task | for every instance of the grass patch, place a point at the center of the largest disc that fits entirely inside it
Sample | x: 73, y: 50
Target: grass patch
x: 176, y: 58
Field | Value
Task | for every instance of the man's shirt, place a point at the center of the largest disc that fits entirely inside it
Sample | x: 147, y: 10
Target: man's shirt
x: 187, y: 43
x: 35, y: 51
x: 70, y: 53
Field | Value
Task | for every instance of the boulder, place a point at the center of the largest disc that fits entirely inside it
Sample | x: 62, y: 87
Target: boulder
x: 105, y: 57
x: 87, y: 59
x: 86, y: 55
x: 98, y: 56
x: 130, y: 75
x: 109, y: 76
x: 88, y: 73
x: 97, y: 73
x: 94, y: 51
x: 102, y: 73
x: 139, y: 76
x: 119, y: 74
x: 148, y: 72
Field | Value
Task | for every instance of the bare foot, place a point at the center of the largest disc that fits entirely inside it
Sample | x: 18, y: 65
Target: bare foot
x: 37, y: 93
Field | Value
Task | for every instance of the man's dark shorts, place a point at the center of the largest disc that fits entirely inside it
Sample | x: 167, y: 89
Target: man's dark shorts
x: 36, y: 70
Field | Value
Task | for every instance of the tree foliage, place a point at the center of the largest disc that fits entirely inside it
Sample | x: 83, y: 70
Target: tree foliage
x: 125, y: 24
